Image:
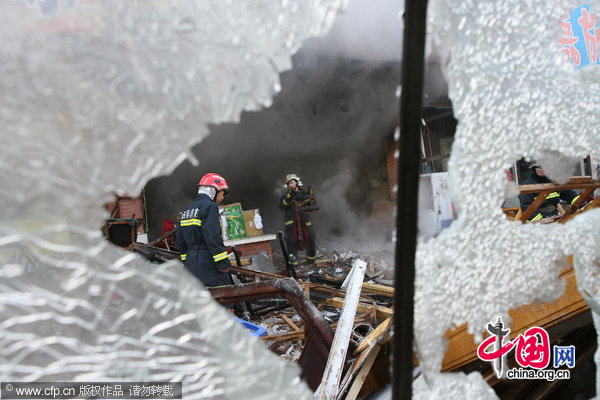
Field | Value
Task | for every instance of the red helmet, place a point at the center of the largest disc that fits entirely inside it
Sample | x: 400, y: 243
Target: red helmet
x: 214, y: 180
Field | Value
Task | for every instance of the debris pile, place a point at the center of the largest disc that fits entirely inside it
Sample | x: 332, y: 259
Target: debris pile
x: 357, y: 311
x: 333, y: 318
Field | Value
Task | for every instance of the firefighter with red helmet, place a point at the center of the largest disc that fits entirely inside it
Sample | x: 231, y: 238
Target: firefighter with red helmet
x: 199, y: 233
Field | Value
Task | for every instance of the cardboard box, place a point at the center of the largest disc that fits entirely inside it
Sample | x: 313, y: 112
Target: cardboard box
x: 233, y: 225
x: 252, y: 219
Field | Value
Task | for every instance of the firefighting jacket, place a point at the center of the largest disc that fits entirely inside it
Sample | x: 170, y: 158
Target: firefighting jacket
x: 549, y: 207
x: 201, y: 244
x: 285, y: 203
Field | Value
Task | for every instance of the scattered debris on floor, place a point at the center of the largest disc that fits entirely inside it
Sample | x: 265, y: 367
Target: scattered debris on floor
x: 334, y: 322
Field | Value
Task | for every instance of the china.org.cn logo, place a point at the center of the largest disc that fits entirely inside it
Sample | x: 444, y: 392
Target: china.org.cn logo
x: 532, y: 353
x: 49, y: 8
x: 580, y: 36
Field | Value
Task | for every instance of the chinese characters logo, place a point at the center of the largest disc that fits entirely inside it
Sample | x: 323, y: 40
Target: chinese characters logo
x: 532, y: 350
x: 580, y: 36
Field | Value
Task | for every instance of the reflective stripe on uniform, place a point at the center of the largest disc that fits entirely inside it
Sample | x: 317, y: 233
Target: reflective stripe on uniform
x: 311, y: 258
x: 285, y: 202
x: 308, y: 223
x: 536, y: 218
x: 288, y: 222
x: 550, y: 196
x: 294, y: 262
x: 574, y: 200
x: 183, y: 257
x: 220, y: 256
x: 190, y: 222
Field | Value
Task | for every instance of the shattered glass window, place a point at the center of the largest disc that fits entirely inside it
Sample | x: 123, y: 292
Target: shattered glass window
x: 516, y: 94
x: 99, y: 97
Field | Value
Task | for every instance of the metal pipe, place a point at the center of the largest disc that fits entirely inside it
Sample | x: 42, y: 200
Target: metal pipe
x: 408, y: 185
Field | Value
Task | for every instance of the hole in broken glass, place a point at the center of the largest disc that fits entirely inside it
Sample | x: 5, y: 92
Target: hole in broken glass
x: 539, y: 199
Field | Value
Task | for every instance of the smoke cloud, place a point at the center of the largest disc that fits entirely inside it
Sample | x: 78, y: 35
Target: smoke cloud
x: 332, y: 124
x: 367, y: 30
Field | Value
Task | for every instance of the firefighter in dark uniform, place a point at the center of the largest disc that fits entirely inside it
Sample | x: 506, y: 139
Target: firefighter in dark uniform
x: 549, y: 207
x: 199, y: 234
x: 296, y: 194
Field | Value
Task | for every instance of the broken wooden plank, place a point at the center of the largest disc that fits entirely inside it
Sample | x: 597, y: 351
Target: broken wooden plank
x: 333, y: 291
x: 535, y: 205
x: 335, y: 363
x: 281, y: 337
x: 576, y: 204
x: 374, y: 336
x: 382, y: 312
x: 375, y: 288
x: 592, y: 204
x: 580, y: 182
x: 367, y: 288
x: 355, y: 366
x: 373, y: 314
x: 290, y: 322
x: 244, y: 261
x: 359, y: 380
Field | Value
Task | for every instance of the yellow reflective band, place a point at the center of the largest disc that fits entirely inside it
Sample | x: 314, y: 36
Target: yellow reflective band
x: 288, y: 222
x: 574, y: 200
x: 308, y: 223
x: 294, y: 262
x: 286, y: 202
x: 220, y: 256
x: 311, y: 258
x: 183, y: 257
x: 536, y: 218
x: 553, y: 195
x: 190, y: 222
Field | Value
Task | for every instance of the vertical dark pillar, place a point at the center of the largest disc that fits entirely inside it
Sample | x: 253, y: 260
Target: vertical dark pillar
x: 408, y: 185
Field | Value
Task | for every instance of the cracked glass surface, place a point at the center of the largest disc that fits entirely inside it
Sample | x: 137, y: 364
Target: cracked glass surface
x: 515, y: 95
x: 99, y: 97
